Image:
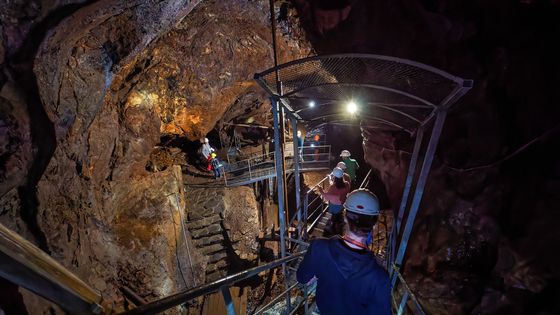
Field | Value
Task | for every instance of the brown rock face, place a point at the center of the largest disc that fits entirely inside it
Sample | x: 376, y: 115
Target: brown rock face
x: 94, y: 188
x: 205, y: 65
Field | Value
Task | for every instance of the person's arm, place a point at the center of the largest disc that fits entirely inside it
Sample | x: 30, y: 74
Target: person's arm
x: 347, y: 179
x: 306, y: 270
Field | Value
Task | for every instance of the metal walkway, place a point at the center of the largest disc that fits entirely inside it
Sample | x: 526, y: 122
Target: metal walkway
x: 261, y: 167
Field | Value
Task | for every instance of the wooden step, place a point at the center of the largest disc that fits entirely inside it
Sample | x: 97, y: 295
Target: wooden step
x: 214, y: 303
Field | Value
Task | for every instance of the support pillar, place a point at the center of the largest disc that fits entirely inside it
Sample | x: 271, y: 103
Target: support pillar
x: 407, y: 186
x: 280, y: 180
x: 419, y: 189
x: 297, y: 177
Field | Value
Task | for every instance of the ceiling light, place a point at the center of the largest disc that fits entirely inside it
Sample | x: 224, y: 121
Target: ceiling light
x: 311, y: 104
x: 351, y: 107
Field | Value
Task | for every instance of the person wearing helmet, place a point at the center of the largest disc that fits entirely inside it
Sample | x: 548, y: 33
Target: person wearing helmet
x: 351, y: 165
x: 349, y: 280
x: 215, y: 165
x: 206, y: 151
x: 315, y: 144
x: 346, y: 177
x: 300, y: 145
x: 335, y: 195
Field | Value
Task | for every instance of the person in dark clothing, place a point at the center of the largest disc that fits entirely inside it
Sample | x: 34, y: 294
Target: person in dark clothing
x: 349, y: 280
x: 215, y: 164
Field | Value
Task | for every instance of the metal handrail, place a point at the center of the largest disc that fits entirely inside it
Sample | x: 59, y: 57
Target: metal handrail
x: 181, y: 297
x: 366, y: 178
x: 317, y: 185
x: 27, y: 266
x: 252, y: 169
x: 408, y: 293
x: 276, y: 299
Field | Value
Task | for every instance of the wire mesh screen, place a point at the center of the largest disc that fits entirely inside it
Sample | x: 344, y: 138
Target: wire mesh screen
x: 414, y: 89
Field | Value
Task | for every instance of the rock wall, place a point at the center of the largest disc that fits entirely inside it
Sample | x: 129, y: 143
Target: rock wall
x: 224, y: 225
x: 73, y: 174
x: 205, y: 65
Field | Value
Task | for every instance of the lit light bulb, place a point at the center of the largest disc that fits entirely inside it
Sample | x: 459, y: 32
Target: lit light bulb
x: 311, y: 104
x: 351, y: 107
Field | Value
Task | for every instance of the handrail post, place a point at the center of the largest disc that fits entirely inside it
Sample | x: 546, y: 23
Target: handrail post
x: 249, y: 163
x: 305, y: 214
x: 329, y: 157
x: 305, y: 296
x: 404, y: 299
x: 419, y: 189
x: 230, y: 308
x: 225, y: 176
x: 280, y: 173
x: 406, y: 192
x: 296, y: 175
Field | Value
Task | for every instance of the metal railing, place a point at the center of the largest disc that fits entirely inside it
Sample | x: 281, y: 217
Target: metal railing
x: 406, y: 296
x: 318, y: 208
x: 222, y: 284
x: 262, y: 166
x: 27, y: 266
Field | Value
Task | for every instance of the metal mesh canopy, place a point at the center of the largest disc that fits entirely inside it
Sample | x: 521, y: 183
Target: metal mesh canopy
x: 391, y: 93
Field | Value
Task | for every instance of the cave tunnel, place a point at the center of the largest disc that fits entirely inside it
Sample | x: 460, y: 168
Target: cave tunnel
x: 109, y: 203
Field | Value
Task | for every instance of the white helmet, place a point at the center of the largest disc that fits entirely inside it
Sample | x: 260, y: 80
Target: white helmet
x: 345, y: 153
x: 337, y: 172
x: 341, y: 165
x: 362, y: 201
x: 206, y: 140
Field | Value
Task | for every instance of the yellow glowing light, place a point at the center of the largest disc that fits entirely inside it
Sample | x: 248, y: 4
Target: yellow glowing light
x: 351, y: 107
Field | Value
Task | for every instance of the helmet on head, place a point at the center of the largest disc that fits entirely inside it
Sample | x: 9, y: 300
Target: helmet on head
x: 342, y: 165
x: 213, y: 154
x: 337, y: 172
x: 345, y: 153
x: 206, y: 140
x: 362, y: 201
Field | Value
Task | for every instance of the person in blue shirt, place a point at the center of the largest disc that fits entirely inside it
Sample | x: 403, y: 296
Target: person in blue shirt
x: 215, y: 164
x: 300, y: 145
x: 349, y: 280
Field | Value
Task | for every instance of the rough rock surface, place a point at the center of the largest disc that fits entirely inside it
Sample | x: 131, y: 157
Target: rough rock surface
x: 87, y: 187
x: 205, y: 65
x: 222, y: 224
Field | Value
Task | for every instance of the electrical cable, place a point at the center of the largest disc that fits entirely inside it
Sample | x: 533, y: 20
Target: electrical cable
x: 177, y: 249
x: 182, y: 221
